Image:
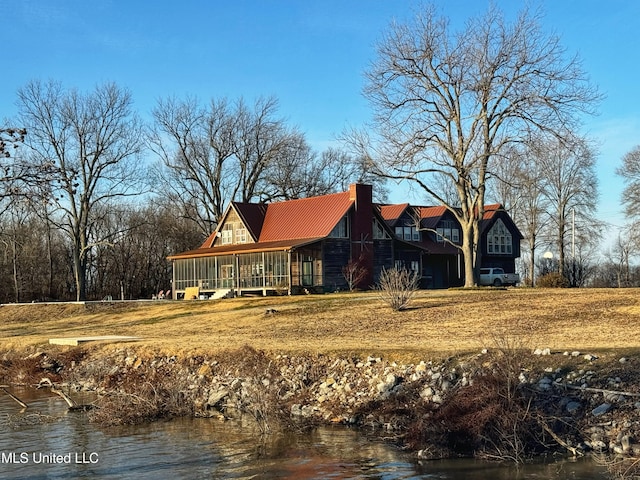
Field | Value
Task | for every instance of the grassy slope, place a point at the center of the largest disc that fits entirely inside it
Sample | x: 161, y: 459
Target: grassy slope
x: 440, y: 322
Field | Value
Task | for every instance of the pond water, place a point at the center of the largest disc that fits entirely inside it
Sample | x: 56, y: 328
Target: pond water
x: 69, y: 447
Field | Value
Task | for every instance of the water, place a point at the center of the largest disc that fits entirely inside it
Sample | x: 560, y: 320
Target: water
x: 68, y: 447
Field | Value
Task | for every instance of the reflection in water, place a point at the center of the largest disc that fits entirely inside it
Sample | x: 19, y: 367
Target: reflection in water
x: 209, y: 449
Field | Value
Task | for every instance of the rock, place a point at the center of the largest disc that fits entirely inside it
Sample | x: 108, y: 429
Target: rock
x: 426, y: 393
x: 575, y: 353
x: 216, y: 397
x: 572, y: 407
x: 601, y: 409
x: 623, y: 360
x: 590, y: 358
x: 542, y: 351
x: 544, y: 383
x: 625, y: 443
x: 421, y: 367
x: 598, y: 445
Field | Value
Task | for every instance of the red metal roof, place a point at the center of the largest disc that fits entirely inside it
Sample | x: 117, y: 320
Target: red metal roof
x: 391, y: 213
x: 430, y: 216
x: 311, y: 217
x: 491, y: 210
x: 281, y: 245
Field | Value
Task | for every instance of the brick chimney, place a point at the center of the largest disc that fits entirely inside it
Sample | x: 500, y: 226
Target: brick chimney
x: 362, y: 230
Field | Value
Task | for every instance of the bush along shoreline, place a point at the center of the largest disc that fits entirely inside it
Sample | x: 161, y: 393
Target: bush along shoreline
x: 503, y: 404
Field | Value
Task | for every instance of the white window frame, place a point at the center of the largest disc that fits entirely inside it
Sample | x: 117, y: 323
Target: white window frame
x: 241, y: 235
x: 226, y: 237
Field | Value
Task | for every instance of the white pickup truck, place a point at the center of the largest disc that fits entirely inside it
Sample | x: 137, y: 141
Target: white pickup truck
x: 497, y: 277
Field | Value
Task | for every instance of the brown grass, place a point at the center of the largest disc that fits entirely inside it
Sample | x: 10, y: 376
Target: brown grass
x: 437, y: 323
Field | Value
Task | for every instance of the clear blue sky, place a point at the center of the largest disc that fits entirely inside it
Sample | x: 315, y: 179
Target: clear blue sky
x: 309, y: 54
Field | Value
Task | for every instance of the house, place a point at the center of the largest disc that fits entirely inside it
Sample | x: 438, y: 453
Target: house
x: 305, y: 244
x: 437, y: 232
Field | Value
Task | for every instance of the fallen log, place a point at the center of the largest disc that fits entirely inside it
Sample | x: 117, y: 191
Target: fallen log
x: 73, y: 406
x: 599, y: 390
x: 22, y: 404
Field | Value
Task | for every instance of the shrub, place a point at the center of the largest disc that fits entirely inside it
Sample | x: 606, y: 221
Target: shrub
x: 397, y: 287
x: 552, y: 280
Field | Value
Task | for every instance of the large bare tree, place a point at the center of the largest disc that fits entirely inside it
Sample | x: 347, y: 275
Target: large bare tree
x: 213, y: 155
x: 92, y: 140
x: 447, y: 103
x: 519, y: 185
x: 566, y: 167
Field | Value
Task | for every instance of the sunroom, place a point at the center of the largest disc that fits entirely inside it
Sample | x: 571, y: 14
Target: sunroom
x: 241, y: 270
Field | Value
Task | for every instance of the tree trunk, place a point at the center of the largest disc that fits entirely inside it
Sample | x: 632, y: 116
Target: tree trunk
x: 532, y: 260
x: 468, y: 255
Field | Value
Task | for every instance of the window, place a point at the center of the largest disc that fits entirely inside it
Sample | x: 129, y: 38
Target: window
x: 408, y: 233
x: 499, y: 240
x: 415, y: 266
x: 227, y: 237
x: 379, y: 233
x: 341, y: 230
x: 448, y: 230
x: 241, y: 235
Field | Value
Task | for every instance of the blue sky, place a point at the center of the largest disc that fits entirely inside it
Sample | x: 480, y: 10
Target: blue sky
x: 310, y: 54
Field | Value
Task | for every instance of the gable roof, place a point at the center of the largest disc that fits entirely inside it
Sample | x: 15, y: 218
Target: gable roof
x: 430, y: 216
x: 492, y: 213
x: 252, y: 215
x: 312, y: 217
x: 301, y: 219
x: 392, y: 213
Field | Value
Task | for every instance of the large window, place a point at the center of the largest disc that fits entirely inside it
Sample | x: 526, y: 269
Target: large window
x: 341, y: 230
x: 379, y: 233
x: 499, y: 240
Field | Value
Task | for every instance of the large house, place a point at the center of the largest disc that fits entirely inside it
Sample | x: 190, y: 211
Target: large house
x: 306, y: 245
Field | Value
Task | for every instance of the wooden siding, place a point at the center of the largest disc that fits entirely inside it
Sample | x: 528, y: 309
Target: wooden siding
x: 336, y: 254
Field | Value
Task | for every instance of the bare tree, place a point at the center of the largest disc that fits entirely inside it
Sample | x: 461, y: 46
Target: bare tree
x: 354, y: 272
x: 518, y: 184
x: 92, y: 140
x: 567, y: 168
x: 302, y: 172
x: 447, y: 103
x: 10, y: 138
x: 213, y: 155
x: 630, y: 172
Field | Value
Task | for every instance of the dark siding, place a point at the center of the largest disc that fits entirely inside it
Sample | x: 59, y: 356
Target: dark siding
x: 382, y: 257
x: 336, y: 254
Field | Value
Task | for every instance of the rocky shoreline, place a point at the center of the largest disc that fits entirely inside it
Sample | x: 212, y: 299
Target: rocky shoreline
x: 499, y: 404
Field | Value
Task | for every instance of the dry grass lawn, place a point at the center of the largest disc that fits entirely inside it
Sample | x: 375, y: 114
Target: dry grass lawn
x: 439, y: 322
